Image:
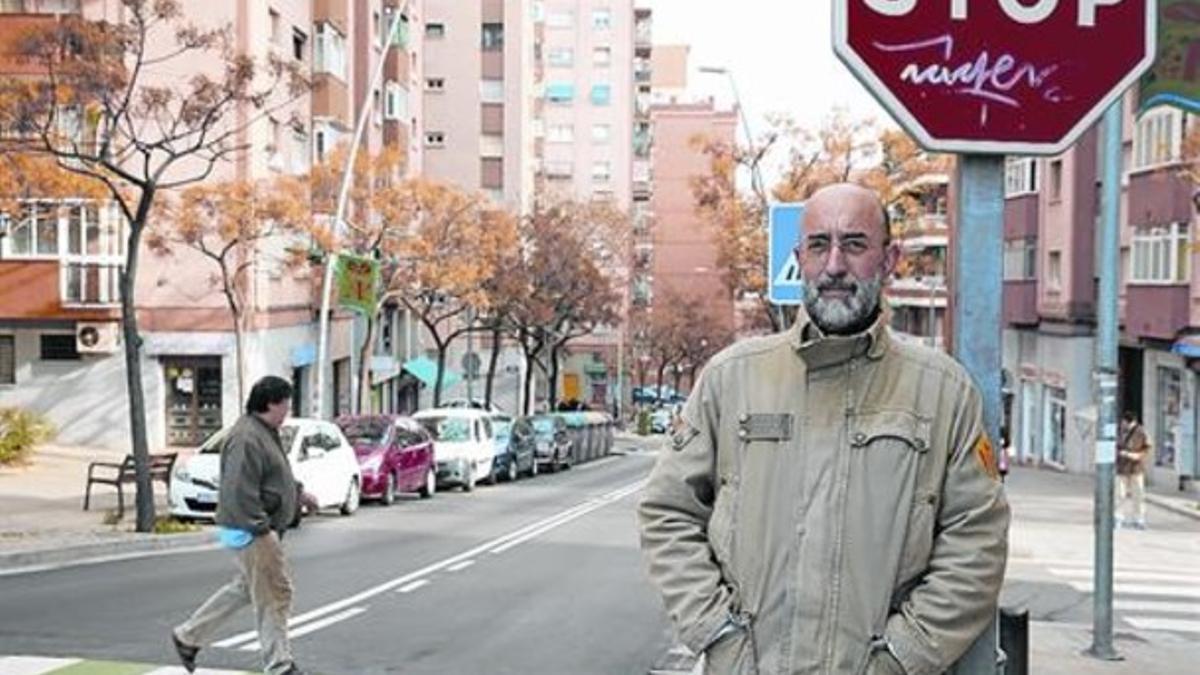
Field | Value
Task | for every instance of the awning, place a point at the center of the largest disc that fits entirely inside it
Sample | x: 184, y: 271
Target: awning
x: 425, y: 370
x: 1187, y: 346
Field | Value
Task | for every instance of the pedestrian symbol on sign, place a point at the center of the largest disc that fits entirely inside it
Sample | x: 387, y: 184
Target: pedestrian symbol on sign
x: 785, y: 285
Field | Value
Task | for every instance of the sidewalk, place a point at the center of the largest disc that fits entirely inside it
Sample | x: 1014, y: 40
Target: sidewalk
x: 43, y: 522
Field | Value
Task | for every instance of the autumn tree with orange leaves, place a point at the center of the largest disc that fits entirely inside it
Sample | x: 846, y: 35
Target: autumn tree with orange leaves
x: 107, y: 104
x: 842, y: 149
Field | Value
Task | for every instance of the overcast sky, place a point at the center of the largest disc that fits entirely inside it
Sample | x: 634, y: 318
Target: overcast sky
x: 778, y: 50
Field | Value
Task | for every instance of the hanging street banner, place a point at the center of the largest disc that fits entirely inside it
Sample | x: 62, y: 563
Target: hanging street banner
x: 357, y: 283
x: 1020, y: 77
x: 1175, y: 77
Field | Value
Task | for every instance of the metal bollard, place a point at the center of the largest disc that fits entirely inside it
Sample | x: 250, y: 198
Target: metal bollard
x: 1014, y: 639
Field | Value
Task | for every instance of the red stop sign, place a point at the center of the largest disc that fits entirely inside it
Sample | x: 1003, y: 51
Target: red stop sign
x: 996, y: 76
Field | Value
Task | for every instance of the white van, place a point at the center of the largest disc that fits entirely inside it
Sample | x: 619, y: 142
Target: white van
x: 463, y: 444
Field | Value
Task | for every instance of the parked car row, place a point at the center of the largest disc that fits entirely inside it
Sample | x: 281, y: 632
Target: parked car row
x: 378, y: 457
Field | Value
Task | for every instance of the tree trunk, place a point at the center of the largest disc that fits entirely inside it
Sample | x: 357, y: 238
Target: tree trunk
x: 554, y: 377
x: 441, y: 370
x: 364, y: 366
x: 692, y: 379
x: 662, y: 368
x: 133, y: 369
x: 492, y: 363
x: 239, y: 345
x: 527, y: 386
x: 678, y: 377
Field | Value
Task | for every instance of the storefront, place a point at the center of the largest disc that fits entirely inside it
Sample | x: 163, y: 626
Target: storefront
x: 193, y: 391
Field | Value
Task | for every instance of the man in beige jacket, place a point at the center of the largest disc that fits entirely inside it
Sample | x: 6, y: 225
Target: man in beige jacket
x: 830, y: 502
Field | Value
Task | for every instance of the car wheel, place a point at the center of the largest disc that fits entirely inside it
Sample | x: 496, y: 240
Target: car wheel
x: 389, y: 491
x: 469, y: 480
x: 430, y: 487
x: 513, y: 473
x: 353, y: 497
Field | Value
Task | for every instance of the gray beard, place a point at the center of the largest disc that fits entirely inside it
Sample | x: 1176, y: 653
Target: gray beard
x: 836, y: 316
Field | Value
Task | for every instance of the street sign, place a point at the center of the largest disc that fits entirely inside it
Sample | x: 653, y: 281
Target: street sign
x: 996, y: 76
x: 357, y: 283
x: 784, y: 283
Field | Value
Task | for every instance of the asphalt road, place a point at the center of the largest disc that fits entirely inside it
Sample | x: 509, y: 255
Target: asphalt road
x: 540, y: 576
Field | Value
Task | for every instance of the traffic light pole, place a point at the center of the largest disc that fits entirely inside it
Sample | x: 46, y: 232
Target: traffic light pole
x: 977, y: 322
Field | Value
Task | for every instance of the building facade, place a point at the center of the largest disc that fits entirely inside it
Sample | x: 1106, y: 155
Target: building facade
x: 917, y: 296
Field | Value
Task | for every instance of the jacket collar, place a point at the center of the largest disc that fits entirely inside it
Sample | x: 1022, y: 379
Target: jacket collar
x: 820, y: 351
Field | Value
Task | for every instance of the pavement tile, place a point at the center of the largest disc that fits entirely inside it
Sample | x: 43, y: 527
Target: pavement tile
x: 38, y: 665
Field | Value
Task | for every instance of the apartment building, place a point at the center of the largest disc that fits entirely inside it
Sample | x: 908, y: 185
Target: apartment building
x: 918, y: 296
x: 1052, y: 213
x: 59, y: 321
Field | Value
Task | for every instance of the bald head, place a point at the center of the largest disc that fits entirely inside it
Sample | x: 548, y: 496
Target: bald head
x: 846, y: 256
x: 847, y: 201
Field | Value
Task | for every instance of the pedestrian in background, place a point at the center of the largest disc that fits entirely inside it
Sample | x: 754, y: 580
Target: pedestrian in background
x: 831, y: 502
x: 258, y: 501
x: 1131, y: 472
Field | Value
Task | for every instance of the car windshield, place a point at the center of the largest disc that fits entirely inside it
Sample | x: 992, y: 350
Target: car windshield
x: 365, y: 431
x: 448, y: 429
x: 544, y: 425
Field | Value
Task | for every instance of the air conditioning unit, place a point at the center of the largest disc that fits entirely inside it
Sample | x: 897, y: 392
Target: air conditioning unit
x: 97, y: 338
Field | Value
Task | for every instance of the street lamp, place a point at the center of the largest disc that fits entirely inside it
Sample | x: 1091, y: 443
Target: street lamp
x: 339, y: 220
x: 756, y: 174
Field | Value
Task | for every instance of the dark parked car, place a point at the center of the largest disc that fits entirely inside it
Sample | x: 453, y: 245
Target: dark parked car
x: 550, y: 439
x: 515, y: 453
x: 394, y: 453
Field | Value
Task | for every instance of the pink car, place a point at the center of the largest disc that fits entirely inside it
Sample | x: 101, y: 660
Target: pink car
x: 394, y: 455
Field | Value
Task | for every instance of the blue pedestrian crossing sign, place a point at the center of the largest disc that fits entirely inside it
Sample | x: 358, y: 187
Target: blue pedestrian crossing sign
x: 784, y: 283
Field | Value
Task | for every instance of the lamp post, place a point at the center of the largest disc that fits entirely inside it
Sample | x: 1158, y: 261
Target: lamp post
x: 755, y: 173
x: 339, y: 219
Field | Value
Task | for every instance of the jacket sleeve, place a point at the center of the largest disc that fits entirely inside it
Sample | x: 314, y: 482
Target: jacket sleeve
x: 241, y: 477
x: 957, y: 598
x: 673, y: 516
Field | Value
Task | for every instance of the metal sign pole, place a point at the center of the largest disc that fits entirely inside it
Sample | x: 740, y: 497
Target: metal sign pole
x: 978, y: 297
x: 1106, y: 384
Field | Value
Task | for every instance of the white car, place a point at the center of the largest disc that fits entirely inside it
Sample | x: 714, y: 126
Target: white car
x: 321, y: 459
x: 463, y: 444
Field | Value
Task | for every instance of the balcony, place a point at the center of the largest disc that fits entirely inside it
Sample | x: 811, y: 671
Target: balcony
x: 1156, y: 311
x: 48, y: 289
x: 1020, y: 302
x: 1021, y: 217
x: 1159, y: 196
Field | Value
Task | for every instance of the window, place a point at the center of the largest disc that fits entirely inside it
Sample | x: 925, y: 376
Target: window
x: 1158, y: 137
x: 601, y: 94
x: 396, y: 107
x: 602, y: 56
x: 560, y: 133
x: 560, y: 169
x: 561, y: 56
x: 601, y: 133
x: 601, y: 172
x: 560, y: 92
x: 435, y: 31
x: 1020, y: 259
x: 1055, y: 436
x: 435, y: 139
x: 276, y: 23
x: 1161, y: 255
x: 299, y: 44
x: 1020, y: 176
x: 563, y: 18
x: 601, y: 19
x: 33, y: 232
x: 325, y: 138
x: 1170, y: 389
x: 298, y: 154
x: 1056, y: 170
x: 491, y: 91
x: 8, y: 359
x: 1054, y: 271
x: 329, y: 51
x: 435, y: 84
x: 493, y: 37
x: 59, y: 347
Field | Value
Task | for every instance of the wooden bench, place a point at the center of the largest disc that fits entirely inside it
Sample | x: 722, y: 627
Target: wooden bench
x: 117, y: 475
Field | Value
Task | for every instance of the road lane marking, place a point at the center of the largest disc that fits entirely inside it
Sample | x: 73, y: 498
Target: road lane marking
x: 1141, y: 589
x: 539, y: 527
x: 598, y: 462
x: 409, y: 588
x: 314, y: 626
x: 33, y: 665
x: 1173, y: 625
x: 611, y: 497
x: 1158, y: 607
x: 1123, y: 575
x: 460, y: 566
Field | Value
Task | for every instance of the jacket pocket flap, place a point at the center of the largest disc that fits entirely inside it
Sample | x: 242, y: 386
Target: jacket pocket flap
x: 900, y: 425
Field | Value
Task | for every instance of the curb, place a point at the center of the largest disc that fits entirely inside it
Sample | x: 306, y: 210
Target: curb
x: 81, y: 554
x: 1173, y: 506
